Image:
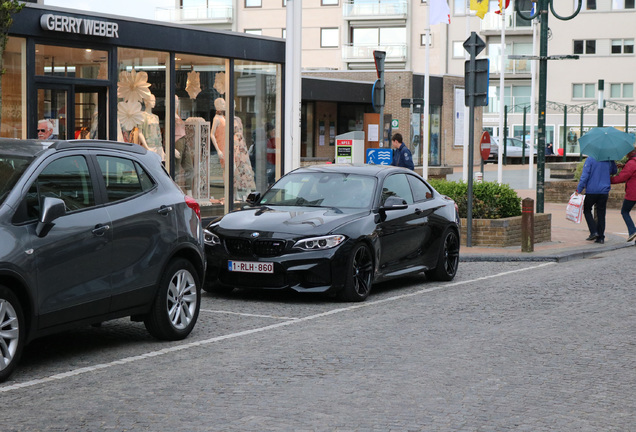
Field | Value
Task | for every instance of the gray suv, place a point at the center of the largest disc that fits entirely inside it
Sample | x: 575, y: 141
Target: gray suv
x: 91, y: 231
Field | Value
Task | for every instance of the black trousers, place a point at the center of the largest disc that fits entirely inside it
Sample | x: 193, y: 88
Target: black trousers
x: 596, y: 227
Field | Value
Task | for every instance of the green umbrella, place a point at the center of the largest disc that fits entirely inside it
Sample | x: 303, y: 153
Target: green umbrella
x: 607, y: 143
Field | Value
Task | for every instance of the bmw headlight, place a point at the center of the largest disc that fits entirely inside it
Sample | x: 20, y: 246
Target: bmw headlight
x: 210, y: 238
x: 319, y: 243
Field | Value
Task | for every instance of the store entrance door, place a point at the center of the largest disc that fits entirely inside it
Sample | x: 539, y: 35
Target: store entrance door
x: 74, y: 112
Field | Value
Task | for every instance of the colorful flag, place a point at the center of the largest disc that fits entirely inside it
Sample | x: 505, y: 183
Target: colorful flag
x: 439, y: 11
x: 479, y: 6
x: 501, y: 6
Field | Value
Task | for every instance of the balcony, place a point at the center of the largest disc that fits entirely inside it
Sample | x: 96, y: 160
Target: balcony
x: 374, y: 9
x: 364, y: 52
x: 512, y: 67
x: 219, y: 12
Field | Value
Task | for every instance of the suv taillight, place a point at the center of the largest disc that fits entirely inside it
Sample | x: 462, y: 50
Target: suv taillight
x: 191, y: 202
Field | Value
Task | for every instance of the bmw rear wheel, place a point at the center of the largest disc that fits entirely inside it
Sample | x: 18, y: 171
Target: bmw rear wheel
x: 360, y: 275
x: 448, y: 259
x: 12, y: 332
x: 176, y: 306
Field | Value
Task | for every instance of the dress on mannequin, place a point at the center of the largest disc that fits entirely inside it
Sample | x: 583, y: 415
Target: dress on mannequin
x: 217, y: 135
x: 184, y: 165
x: 243, y: 173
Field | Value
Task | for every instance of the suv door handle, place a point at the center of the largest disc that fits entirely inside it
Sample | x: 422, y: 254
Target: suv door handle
x: 100, y: 229
x: 164, y: 210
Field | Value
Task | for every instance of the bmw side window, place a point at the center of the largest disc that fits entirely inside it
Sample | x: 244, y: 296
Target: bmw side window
x: 421, y: 191
x: 68, y: 179
x: 123, y: 178
x: 397, y: 185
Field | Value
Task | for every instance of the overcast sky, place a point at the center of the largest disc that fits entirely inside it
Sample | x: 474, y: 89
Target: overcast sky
x: 135, y: 8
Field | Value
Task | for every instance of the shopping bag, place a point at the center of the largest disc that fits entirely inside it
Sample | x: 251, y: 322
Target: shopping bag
x: 574, y: 210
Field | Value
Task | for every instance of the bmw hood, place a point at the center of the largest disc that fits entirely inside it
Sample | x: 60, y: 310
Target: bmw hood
x: 296, y: 221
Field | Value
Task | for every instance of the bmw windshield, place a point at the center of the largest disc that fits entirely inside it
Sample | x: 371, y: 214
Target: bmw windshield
x: 11, y: 168
x: 317, y: 189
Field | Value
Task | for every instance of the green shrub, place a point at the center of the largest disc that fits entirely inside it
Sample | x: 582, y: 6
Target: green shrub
x: 579, y: 170
x: 491, y: 200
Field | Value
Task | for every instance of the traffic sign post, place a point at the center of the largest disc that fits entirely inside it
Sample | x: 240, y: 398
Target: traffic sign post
x: 474, y: 45
x: 378, y: 58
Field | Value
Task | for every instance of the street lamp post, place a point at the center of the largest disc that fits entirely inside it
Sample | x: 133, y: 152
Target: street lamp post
x: 542, y: 13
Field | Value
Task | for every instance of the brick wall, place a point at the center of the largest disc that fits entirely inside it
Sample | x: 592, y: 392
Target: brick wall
x: 560, y: 191
x: 507, y: 231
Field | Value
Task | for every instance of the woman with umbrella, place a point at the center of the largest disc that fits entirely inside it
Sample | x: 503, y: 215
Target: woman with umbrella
x: 628, y: 176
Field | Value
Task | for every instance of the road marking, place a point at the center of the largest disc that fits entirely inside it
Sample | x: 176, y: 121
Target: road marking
x: 249, y: 315
x: 196, y: 344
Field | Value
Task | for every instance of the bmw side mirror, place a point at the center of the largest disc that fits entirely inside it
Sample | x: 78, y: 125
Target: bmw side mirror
x: 394, y: 203
x: 253, y: 198
x: 52, y: 208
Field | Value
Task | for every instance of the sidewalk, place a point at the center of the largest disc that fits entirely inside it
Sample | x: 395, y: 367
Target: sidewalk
x: 568, y: 238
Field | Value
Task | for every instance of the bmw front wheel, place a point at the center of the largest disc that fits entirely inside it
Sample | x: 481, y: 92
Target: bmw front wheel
x: 176, y: 306
x: 11, y: 332
x: 360, y: 275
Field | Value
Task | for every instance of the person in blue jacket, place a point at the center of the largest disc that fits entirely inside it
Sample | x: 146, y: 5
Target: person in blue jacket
x: 401, y: 154
x: 595, y: 180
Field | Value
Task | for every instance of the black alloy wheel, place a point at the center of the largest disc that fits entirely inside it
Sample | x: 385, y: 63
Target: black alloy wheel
x: 448, y: 259
x: 360, y: 277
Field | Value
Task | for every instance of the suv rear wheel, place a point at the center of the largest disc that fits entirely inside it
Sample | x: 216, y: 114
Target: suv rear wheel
x: 11, y: 332
x: 176, y: 307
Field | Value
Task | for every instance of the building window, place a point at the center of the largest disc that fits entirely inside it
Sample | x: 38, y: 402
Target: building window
x: 585, y: 46
x: 253, y: 3
x: 284, y: 3
x: 458, y: 49
x: 424, y: 38
x: 257, y: 32
x: 622, y: 4
x: 329, y: 37
x: 459, y: 7
x: 590, y: 5
x: 284, y: 33
x: 383, y: 36
x: 583, y: 91
x: 329, y: 2
x: 622, y: 91
x: 622, y: 46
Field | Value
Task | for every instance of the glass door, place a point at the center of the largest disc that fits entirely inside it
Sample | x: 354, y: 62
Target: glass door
x: 66, y: 111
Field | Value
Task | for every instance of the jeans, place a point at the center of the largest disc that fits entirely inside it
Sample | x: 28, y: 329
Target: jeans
x: 600, y: 201
x: 627, y: 207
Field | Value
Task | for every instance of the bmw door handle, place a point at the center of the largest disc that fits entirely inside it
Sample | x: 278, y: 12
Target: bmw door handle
x: 164, y: 210
x: 100, y: 229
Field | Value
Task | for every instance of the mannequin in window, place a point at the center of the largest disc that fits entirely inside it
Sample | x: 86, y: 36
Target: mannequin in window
x: 151, y: 129
x: 184, y: 172
x: 243, y: 173
x: 217, y: 133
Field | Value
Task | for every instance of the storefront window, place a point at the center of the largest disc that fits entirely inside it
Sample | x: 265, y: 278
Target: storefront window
x: 141, y: 93
x: 13, y: 101
x: 64, y: 61
x: 257, y: 126
x: 200, y: 136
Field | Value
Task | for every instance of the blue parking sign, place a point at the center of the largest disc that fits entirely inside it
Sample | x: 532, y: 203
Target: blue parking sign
x: 379, y: 156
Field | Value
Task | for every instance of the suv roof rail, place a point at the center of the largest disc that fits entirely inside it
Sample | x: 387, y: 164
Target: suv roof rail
x: 115, y: 145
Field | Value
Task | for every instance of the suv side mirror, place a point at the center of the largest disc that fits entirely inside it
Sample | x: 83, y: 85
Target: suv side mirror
x: 253, y: 198
x: 52, y: 208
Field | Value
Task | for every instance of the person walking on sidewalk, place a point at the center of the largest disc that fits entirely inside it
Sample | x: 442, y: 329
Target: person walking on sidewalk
x: 628, y: 176
x: 595, y: 180
x: 401, y: 155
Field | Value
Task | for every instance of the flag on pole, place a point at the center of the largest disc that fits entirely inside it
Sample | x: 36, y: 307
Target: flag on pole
x: 502, y: 6
x: 479, y: 6
x: 439, y: 11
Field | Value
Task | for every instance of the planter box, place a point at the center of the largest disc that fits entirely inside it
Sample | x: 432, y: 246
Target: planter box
x: 560, y: 191
x: 507, y: 231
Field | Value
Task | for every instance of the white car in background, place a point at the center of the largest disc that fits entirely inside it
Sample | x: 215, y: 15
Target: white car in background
x: 514, y: 149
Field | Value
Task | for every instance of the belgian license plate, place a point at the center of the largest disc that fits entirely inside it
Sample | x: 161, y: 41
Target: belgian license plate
x: 250, y: 267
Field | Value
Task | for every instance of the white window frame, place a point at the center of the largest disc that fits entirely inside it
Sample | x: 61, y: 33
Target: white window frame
x: 323, y: 32
x: 423, y: 39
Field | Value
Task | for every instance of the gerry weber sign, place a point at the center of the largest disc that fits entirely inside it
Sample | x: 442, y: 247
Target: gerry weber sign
x: 84, y: 26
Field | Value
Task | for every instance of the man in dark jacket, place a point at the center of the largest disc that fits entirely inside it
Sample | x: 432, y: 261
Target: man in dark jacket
x: 401, y: 154
x: 595, y: 180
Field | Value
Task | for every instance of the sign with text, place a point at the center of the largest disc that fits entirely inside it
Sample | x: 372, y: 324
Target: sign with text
x: 84, y: 26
